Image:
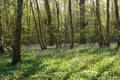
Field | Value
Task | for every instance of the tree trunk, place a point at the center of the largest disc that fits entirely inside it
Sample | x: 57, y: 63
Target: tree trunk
x: 83, y: 39
x: 1, y: 41
x: 50, y: 31
x: 71, y: 24
x: 40, y: 27
x: 118, y: 21
x: 17, y: 42
x: 36, y: 26
x: 98, y: 18
x: 107, y: 42
x: 95, y: 23
x: 58, y: 41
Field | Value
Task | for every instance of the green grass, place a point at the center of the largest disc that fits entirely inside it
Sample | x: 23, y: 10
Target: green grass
x: 80, y: 63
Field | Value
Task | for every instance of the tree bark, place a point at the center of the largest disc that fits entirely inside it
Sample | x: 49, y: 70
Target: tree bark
x: 50, y: 31
x: 1, y: 40
x: 17, y: 42
x: 71, y: 26
x: 40, y: 27
x: 98, y: 20
x: 83, y: 39
x: 107, y: 28
x: 118, y: 21
x: 36, y: 26
x: 65, y: 24
x: 58, y: 41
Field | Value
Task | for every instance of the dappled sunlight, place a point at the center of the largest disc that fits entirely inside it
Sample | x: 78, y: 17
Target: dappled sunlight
x: 78, y: 63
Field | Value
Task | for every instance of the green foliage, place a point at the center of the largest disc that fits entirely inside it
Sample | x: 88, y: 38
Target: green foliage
x: 79, y: 63
x: 60, y: 32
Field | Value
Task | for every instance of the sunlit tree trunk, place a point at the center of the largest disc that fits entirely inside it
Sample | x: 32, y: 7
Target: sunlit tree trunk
x: 95, y: 23
x: 6, y: 15
x: 65, y: 23
x: 98, y: 20
x: 1, y: 41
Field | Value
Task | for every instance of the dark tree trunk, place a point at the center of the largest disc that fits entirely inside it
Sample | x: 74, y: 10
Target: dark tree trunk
x: 118, y: 21
x: 107, y: 42
x: 36, y: 26
x: 17, y: 42
x: 71, y: 24
x: 40, y: 27
x: 50, y: 31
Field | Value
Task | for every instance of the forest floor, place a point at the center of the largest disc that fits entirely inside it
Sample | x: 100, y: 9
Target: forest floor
x: 81, y: 63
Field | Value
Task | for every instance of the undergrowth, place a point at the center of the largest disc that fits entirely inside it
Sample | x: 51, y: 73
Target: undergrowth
x: 80, y: 63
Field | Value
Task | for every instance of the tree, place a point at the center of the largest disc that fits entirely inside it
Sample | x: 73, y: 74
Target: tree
x: 65, y: 23
x: 108, y: 26
x: 50, y: 31
x: 82, y: 22
x: 95, y: 22
x: 58, y: 41
x: 99, y: 24
x: 71, y: 26
x: 118, y: 22
x: 40, y: 27
x: 1, y: 41
x: 17, y: 42
x: 36, y: 26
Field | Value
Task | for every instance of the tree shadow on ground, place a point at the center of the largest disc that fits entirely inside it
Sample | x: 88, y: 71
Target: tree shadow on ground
x: 96, y: 51
x: 102, y: 70
x: 26, y: 68
x: 36, y: 65
x: 85, y: 66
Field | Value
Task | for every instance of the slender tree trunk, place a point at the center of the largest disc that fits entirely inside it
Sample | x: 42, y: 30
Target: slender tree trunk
x: 107, y: 28
x: 71, y: 25
x: 118, y: 21
x: 40, y: 27
x: 98, y: 18
x: 17, y: 42
x: 1, y: 41
x: 65, y: 31
x: 50, y: 31
x: 83, y: 39
x: 36, y: 26
x: 95, y: 23
x: 58, y: 13
x: 58, y: 42
x: 27, y: 16
x: 6, y: 16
